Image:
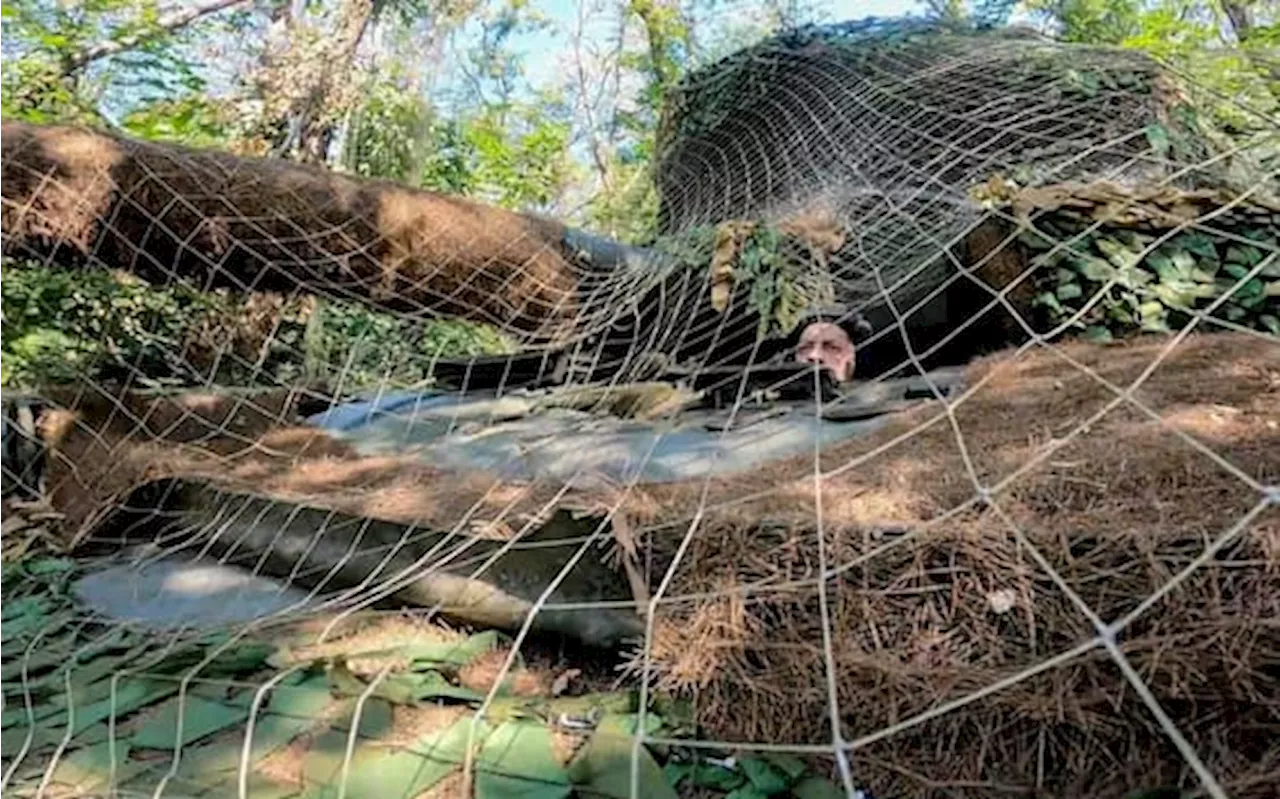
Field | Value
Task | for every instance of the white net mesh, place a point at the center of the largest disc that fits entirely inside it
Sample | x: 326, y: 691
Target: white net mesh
x: 669, y: 535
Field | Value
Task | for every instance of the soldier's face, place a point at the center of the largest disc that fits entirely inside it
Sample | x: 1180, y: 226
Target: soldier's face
x: 827, y: 344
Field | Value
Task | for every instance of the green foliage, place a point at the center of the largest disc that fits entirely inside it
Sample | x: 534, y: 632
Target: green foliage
x: 1092, y: 21
x: 667, y: 33
x: 67, y: 56
x: 61, y: 325
x: 1237, y: 64
x: 34, y: 89
x: 774, y: 291
x: 628, y: 209
x: 776, y: 272
x: 1113, y: 283
x: 773, y: 774
x: 507, y: 146
x: 518, y: 155
x: 389, y: 136
x: 194, y: 120
x: 512, y: 154
x: 360, y: 347
x: 624, y: 204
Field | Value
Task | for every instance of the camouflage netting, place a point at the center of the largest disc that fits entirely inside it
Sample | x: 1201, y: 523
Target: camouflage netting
x: 1049, y: 572
x: 884, y: 127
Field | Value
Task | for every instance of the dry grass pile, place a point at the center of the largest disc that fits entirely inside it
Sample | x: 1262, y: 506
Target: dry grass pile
x: 935, y: 597
x: 216, y: 219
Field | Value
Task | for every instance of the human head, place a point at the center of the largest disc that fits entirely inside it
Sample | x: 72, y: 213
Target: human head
x: 827, y: 344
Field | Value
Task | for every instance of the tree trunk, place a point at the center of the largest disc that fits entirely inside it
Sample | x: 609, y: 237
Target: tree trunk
x: 77, y: 198
x: 1241, y: 18
x: 310, y: 117
x: 1266, y: 62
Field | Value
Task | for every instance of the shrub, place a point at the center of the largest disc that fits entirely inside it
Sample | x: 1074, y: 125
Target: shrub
x: 62, y: 325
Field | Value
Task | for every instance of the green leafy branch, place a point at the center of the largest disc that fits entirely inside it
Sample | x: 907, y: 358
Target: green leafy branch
x: 60, y: 326
x: 778, y: 273
x: 1141, y: 287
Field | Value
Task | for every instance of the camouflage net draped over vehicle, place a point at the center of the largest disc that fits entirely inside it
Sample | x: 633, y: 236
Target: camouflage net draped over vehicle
x: 882, y: 128
x: 265, y: 545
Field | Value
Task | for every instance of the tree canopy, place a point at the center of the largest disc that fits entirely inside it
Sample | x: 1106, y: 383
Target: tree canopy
x: 515, y: 102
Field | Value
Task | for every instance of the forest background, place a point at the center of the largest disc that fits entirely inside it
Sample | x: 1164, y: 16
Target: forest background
x: 544, y: 106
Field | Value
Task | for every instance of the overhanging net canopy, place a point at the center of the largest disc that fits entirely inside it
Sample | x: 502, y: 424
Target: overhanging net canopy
x: 886, y: 126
